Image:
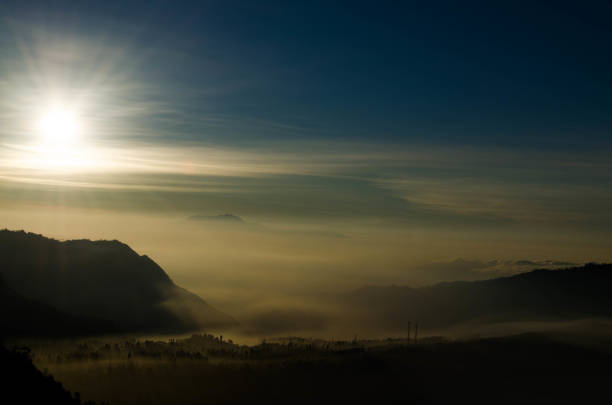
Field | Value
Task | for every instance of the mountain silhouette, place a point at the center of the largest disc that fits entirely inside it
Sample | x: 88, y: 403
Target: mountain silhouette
x: 25, y: 317
x: 539, y: 295
x: 103, y: 280
x: 221, y: 218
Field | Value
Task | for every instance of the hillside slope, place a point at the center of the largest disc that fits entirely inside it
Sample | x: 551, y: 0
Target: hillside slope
x: 539, y: 295
x: 24, y: 317
x: 22, y: 383
x: 104, y: 280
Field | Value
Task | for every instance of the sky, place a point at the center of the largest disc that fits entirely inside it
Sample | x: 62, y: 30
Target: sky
x: 360, y: 142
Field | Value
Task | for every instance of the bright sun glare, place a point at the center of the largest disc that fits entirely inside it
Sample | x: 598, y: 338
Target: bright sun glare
x: 58, y: 127
x: 59, y: 141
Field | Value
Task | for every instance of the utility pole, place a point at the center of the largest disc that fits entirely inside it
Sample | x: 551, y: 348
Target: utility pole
x: 416, y: 333
x: 409, y: 326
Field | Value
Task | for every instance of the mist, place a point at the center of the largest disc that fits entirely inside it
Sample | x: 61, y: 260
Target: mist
x: 282, y: 276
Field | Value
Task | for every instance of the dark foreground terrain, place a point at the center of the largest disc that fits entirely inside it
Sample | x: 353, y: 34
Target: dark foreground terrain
x: 529, y: 368
x: 22, y: 383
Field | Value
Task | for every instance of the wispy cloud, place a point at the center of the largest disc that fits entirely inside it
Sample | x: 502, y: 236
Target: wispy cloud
x: 418, y: 184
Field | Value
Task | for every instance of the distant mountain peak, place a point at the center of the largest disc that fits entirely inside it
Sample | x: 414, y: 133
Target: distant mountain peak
x: 217, y: 218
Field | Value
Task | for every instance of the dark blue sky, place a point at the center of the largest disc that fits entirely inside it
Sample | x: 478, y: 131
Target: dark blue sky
x: 515, y: 74
x: 372, y: 136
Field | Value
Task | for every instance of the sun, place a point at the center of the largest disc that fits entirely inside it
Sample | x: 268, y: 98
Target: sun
x: 59, y: 143
x: 58, y: 127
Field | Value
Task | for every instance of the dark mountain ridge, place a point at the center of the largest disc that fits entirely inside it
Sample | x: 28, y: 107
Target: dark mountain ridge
x: 104, y: 280
x: 25, y: 317
x: 539, y: 295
